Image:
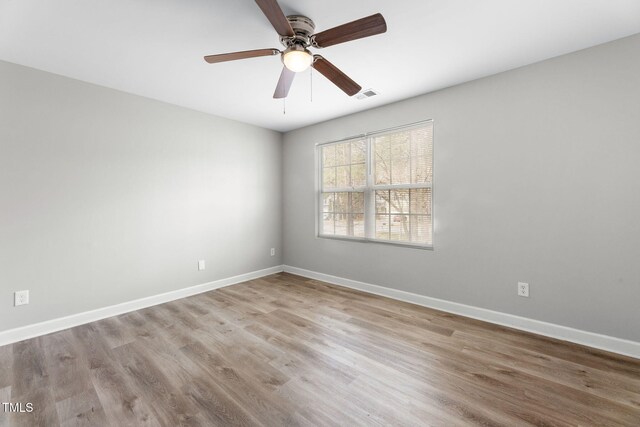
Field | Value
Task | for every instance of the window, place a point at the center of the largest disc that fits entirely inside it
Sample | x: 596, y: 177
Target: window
x: 378, y: 187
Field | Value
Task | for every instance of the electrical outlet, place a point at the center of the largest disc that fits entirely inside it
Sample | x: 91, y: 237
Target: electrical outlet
x: 273, y: 251
x: 21, y: 298
x: 201, y: 265
x: 523, y: 289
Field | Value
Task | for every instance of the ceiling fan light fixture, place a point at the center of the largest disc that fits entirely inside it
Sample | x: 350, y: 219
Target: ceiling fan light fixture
x: 297, y: 58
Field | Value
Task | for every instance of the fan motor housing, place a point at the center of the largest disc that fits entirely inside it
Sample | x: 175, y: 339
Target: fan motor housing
x: 303, y: 27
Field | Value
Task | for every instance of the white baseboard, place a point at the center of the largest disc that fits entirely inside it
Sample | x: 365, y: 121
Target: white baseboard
x: 591, y: 339
x: 603, y: 342
x: 54, y: 325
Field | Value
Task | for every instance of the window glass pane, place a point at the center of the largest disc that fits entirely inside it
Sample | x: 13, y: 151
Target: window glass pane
x: 344, y: 165
x: 343, y: 177
x: 420, y: 228
x: 343, y: 214
x: 382, y: 227
x: 382, y: 160
x: 329, y: 155
x: 357, y: 203
x: 327, y: 202
x: 342, y: 204
x: 421, y: 201
x: 350, y: 225
x: 421, y: 156
x: 358, y: 152
x: 358, y: 175
x: 328, y: 178
x: 340, y: 224
x: 399, y: 201
x: 327, y: 216
x: 358, y: 225
x: 404, y: 157
x: 343, y: 156
x: 400, y: 159
x: 399, y: 229
x: 382, y: 202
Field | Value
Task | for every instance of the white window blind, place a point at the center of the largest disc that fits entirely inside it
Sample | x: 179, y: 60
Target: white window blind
x: 378, y: 187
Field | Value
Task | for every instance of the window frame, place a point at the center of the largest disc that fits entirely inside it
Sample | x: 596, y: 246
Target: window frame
x: 370, y: 188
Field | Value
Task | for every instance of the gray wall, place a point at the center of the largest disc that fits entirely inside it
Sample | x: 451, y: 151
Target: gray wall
x: 107, y: 197
x: 537, y: 179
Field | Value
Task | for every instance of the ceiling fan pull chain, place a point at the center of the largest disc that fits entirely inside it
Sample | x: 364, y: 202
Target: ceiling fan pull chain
x: 311, y: 80
x: 284, y: 106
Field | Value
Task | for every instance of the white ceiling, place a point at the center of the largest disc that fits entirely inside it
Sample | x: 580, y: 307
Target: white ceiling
x: 154, y: 48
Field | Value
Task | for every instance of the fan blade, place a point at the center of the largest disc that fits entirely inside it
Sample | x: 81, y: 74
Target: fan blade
x: 365, y: 27
x: 223, y: 57
x: 336, y: 76
x: 274, y: 14
x: 284, y: 84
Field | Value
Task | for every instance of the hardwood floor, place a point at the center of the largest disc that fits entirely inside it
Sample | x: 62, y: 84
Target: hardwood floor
x: 284, y: 350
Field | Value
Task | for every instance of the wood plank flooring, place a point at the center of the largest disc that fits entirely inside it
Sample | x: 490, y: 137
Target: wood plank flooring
x: 285, y: 350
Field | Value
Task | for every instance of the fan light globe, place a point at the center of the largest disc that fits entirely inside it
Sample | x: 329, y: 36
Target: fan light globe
x: 297, y: 60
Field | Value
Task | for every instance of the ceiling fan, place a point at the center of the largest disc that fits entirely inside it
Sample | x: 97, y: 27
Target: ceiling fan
x: 297, y: 36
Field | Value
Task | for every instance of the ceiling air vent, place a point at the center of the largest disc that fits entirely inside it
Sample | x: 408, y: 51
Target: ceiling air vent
x: 367, y: 93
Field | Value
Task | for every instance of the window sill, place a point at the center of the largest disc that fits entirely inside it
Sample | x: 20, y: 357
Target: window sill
x: 383, y: 242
